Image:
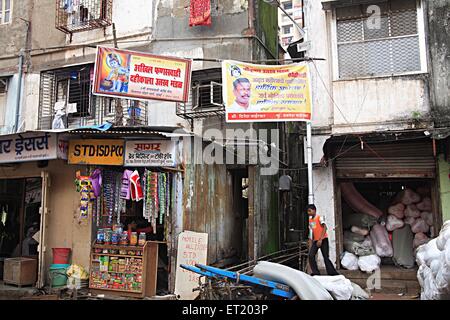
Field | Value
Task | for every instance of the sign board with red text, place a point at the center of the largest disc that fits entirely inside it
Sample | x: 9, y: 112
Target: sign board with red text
x: 150, y: 153
x: 141, y: 76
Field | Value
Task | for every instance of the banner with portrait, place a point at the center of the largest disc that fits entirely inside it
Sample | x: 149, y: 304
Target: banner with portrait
x: 266, y: 93
x: 141, y: 76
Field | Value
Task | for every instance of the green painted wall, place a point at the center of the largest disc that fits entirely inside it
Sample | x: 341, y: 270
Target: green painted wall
x: 267, y: 26
x: 444, y: 183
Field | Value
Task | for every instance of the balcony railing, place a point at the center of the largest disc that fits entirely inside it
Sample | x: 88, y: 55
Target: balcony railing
x: 66, y: 93
x: 83, y: 15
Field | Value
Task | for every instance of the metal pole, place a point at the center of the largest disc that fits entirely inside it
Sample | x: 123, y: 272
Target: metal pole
x: 19, y: 90
x: 310, y: 167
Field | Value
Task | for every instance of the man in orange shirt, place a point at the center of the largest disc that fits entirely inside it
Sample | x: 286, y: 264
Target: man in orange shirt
x: 318, y: 238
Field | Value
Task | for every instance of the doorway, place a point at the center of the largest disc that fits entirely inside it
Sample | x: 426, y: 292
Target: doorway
x: 20, y: 219
x: 240, y: 207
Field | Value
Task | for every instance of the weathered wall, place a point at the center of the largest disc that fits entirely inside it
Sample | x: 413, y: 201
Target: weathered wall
x: 13, y: 35
x: 316, y: 27
x: 444, y: 187
x: 381, y: 103
x: 324, y: 196
x: 64, y: 229
x: 267, y: 26
x: 439, y: 47
x: 208, y: 208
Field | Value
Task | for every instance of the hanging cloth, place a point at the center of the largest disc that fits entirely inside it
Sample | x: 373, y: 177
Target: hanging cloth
x: 200, y: 13
x: 136, y: 188
x: 96, y: 181
x: 125, y: 189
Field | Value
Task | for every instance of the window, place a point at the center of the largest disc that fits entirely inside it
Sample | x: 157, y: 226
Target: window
x: 287, y: 5
x: 5, y: 11
x: 287, y: 29
x: 371, y: 46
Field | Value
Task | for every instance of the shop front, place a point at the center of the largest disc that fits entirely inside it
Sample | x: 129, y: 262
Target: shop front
x: 26, y: 198
x: 387, y: 200
x: 128, y: 191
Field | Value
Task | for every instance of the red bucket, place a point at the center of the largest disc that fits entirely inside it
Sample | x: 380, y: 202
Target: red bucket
x: 61, y: 255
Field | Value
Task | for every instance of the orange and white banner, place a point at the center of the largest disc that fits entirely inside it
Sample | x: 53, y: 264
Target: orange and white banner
x: 141, y: 76
x: 263, y: 93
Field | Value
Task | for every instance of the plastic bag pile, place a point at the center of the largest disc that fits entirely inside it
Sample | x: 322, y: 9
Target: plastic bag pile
x: 409, y: 220
x: 433, y: 259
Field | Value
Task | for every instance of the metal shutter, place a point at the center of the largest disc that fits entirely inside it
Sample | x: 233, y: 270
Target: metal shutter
x: 385, y: 160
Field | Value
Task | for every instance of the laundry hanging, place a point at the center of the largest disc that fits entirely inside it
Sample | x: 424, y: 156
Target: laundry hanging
x: 200, y: 13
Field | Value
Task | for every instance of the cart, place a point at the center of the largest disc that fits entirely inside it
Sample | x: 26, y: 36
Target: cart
x: 223, y: 284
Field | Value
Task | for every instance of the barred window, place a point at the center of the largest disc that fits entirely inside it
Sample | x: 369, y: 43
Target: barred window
x: 382, y: 43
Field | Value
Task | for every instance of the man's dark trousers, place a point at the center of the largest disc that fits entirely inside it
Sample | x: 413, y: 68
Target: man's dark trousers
x: 324, y: 248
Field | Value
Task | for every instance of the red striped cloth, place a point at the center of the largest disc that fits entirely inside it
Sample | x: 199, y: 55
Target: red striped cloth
x: 200, y: 13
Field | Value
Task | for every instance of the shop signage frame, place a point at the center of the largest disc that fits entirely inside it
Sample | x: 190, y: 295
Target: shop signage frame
x: 32, y: 146
x: 109, y: 152
x: 150, y: 153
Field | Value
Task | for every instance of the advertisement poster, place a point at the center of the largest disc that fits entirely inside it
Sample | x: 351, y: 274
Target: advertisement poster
x: 98, y: 152
x: 150, y: 153
x: 263, y: 93
x: 141, y: 76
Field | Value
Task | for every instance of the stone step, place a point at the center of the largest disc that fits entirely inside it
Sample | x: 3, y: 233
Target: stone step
x: 392, y: 286
x: 410, y: 275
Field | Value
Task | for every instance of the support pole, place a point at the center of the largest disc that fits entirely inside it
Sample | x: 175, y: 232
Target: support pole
x: 19, y: 90
x: 310, y: 166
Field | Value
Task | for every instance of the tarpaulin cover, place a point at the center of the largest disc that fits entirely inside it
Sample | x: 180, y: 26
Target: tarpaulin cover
x: 402, y: 240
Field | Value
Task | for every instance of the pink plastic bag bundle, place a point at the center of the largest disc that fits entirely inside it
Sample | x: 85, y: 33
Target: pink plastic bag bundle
x: 420, y: 239
x: 412, y: 211
x: 381, y: 242
x: 428, y: 217
x: 397, y: 210
x: 360, y: 231
x: 420, y: 226
x: 394, y: 223
x: 410, y: 220
x: 425, y: 205
x: 407, y: 197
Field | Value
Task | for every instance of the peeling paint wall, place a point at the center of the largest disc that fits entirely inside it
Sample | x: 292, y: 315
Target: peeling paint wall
x: 439, y: 46
x: 375, y: 101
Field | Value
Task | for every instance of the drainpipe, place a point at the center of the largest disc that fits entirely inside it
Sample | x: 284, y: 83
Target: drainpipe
x: 310, y: 166
x: 19, y: 89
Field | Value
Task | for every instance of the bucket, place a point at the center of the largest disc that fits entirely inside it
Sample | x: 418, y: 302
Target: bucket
x: 61, y: 255
x: 57, y: 274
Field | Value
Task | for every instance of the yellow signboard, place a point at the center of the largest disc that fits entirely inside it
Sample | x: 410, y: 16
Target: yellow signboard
x: 97, y: 152
x: 263, y: 93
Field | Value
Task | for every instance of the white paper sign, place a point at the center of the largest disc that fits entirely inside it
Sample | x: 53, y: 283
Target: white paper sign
x: 192, y: 249
x: 150, y: 153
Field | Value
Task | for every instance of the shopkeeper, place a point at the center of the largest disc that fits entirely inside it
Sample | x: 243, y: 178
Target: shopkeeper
x: 139, y: 225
